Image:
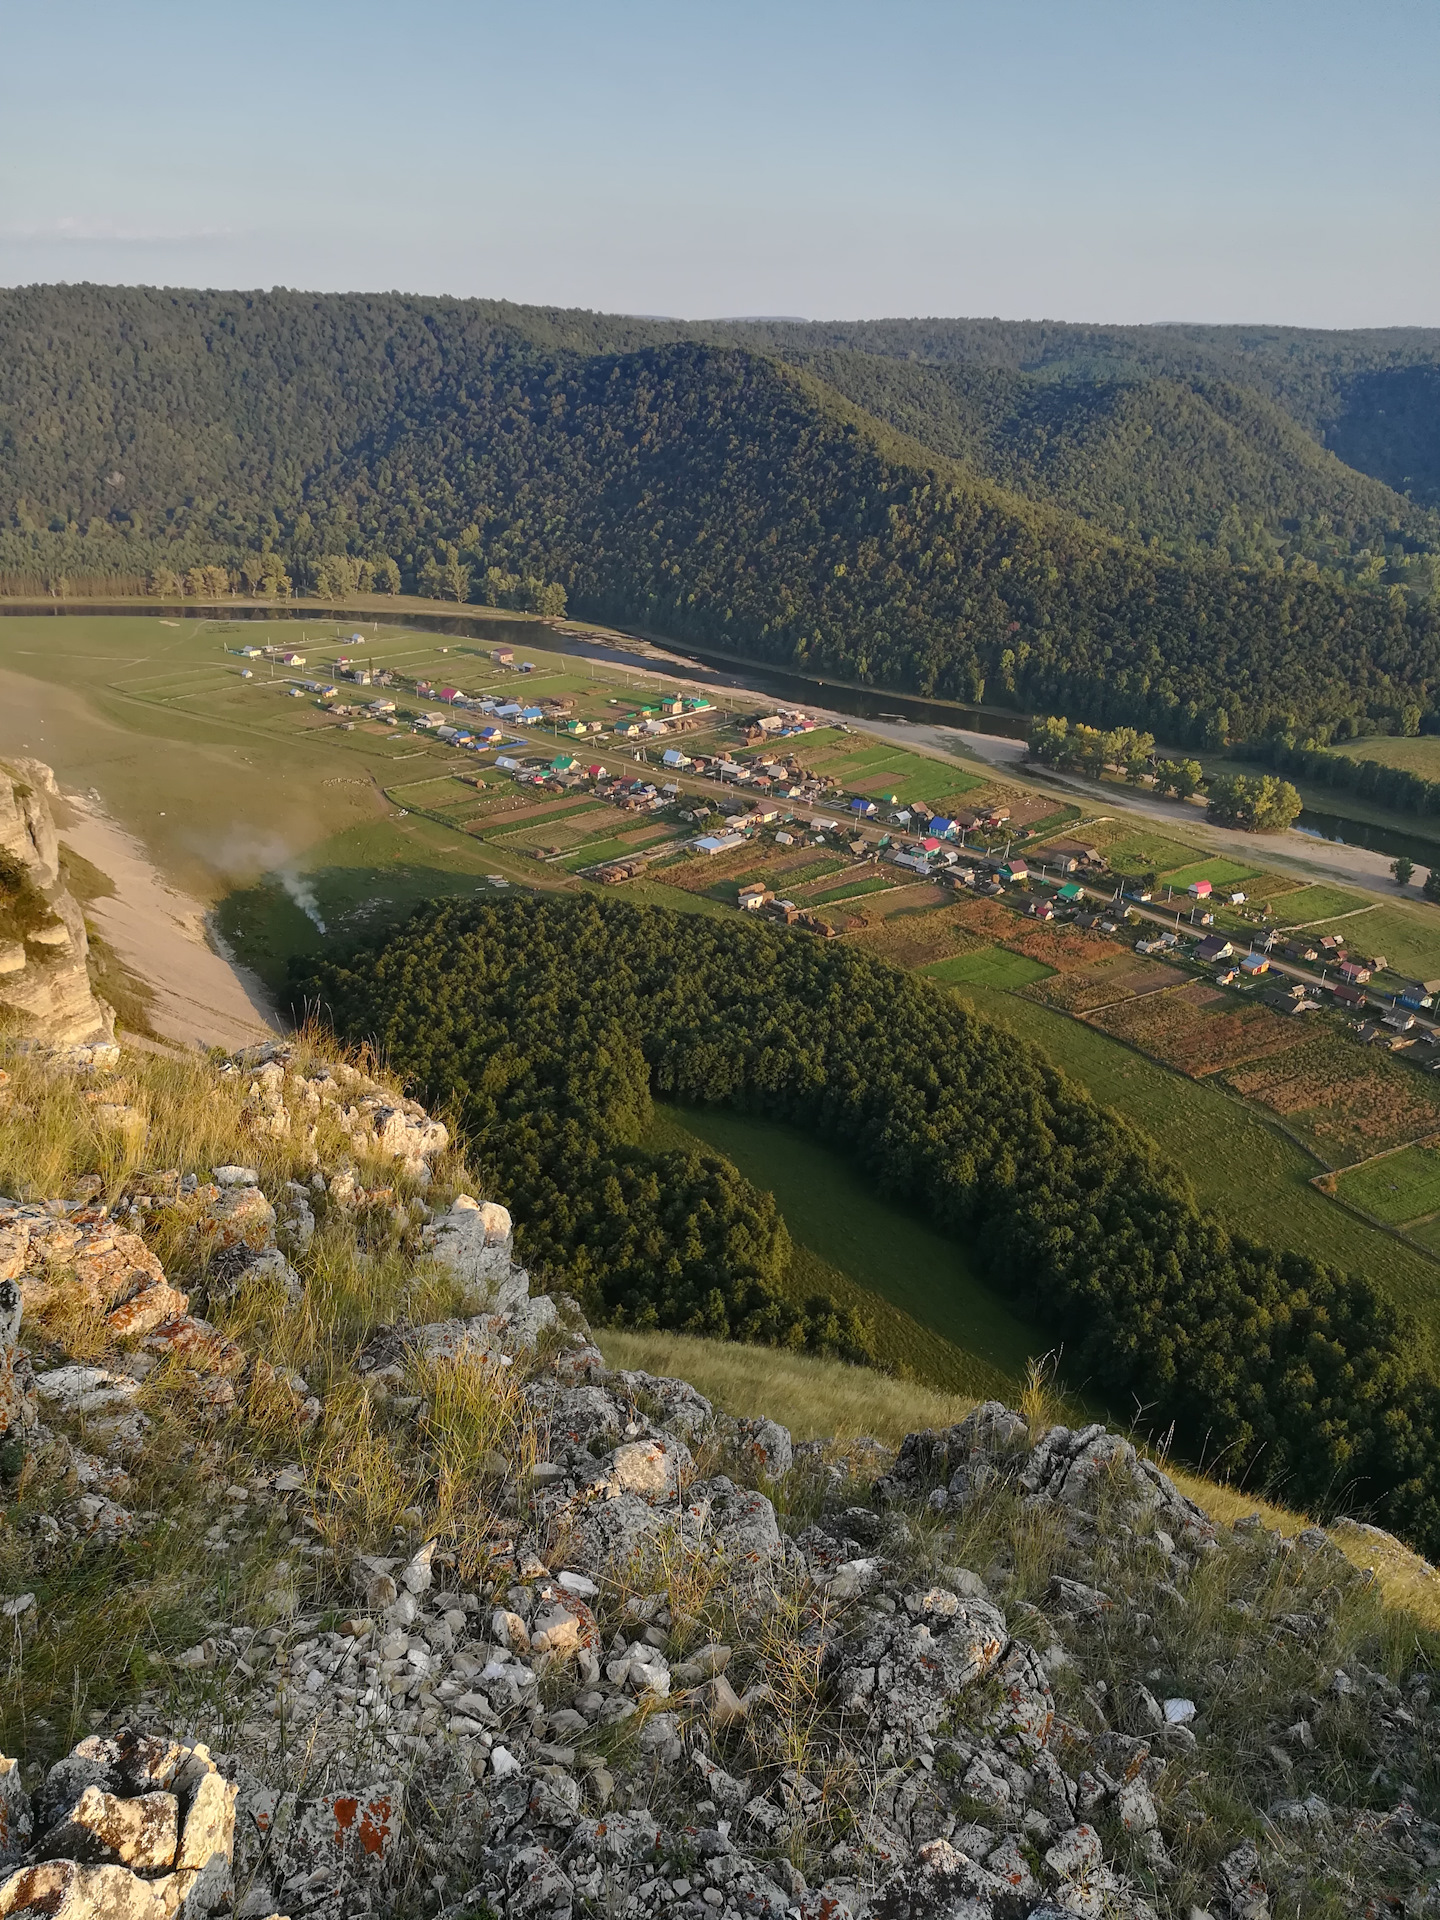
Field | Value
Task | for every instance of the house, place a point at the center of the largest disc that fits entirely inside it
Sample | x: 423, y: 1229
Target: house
x: 532, y: 716
x: 1199, y: 889
x: 451, y: 694
x: 1072, y: 890
x: 379, y: 707
x: 1236, y: 899
x: 1227, y: 976
x: 595, y: 772
x: 713, y: 843
x: 1331, y: 944
x: 575, y: 728
x: 292, y: 659
x: 1297, y: 950
x: 785, y: 910
x: 784, y: 839
x: 1415, y: 999
x: 248, y: 653
x: 864, y: 808
x: 1015, y: 870
x: 902, y: 818
x: 502, y: 656
x: 1217, y: 947
x: 1354, y: 973
x: 1041, y: 910
x: 1070, y: 854
x: 996, y: 817
x: 564, y: 763
x: 912, y: 862
x: 490, y: 736
x: 672, y: 757
x: 1398, y: 1019
x: 942, y: 827
x: 510, y: 766
x: 752, y: 897
x: 697, y: 703
x: 1254, y: 964
x: 1348, y: 996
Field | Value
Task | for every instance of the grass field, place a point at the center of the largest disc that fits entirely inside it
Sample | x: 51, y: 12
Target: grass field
x: 1406, y: 932
x: 1312, y: 906
x: 873, y: 883
x: 1401, y: 1187
x: 1219, y: 871
x: 1419, y: 755
x: 1135, y: 848
x: 988, y: 967
x: 881, y: 1254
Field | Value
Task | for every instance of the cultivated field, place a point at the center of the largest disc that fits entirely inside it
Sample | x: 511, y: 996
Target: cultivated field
x: 1200, y: 1029
x: 1350, y: 1101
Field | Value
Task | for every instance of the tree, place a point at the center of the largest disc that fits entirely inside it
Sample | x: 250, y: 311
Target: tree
x: 1049, y: 739
x: 384, y: 575
x: 445, y: 575
x: 1403, y: 870
x: 1254, y: 803
x: 1431, y: 888
x: 164, y: 583
x: 552, y: 600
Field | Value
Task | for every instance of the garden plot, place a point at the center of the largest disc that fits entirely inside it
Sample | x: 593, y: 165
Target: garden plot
x: 1350, y: 1101
x: 916, y: 940
x: 1063, y: 948
x: 1221, y: 873
x: 1189, y: 1031
x: 1119, y: 976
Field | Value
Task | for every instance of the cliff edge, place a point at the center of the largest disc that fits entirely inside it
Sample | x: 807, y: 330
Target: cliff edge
x: 45, y: 991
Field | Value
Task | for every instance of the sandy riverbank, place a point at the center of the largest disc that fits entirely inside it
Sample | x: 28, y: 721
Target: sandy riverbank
x: 201, y: 997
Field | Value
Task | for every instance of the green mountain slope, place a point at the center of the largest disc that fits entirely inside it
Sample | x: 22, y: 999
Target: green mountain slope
x: 1216, y: 466
x: 707, y: 492
x: 1372, y: 396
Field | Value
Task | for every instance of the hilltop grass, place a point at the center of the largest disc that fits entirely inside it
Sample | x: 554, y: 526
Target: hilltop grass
x: 827, y: 1400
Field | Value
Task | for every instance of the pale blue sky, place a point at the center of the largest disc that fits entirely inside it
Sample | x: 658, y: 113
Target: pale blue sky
x: 1120, y: 160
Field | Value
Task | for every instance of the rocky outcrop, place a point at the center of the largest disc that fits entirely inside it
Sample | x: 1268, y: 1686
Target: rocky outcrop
x: 130, y: 1828
x: 45, y: 992
x: 659, y: 1661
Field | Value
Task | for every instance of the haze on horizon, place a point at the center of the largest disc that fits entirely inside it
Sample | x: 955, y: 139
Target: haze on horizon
x: 1125, y: 161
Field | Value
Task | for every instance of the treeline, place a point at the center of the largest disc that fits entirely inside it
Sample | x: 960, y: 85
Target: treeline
x: 707, y: 492
x: 1394, y: 787
x: 548, y: 1022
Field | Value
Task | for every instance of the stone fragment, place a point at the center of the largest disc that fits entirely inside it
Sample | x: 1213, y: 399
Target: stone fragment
x: 102, y: 1828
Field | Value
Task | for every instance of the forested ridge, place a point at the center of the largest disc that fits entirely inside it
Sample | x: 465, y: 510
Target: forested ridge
x: 711, y: 492
x: 1201, y: 467
x: 548, y: 1023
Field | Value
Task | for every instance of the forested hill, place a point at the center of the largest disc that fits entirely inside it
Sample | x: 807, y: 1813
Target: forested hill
x: 1199, y: 467
x: 1370, y: 395
x: 707, y: 492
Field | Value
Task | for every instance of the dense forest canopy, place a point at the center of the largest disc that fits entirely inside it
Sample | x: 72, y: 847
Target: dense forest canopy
x: 549, y: 1022
x: 1110, y: 521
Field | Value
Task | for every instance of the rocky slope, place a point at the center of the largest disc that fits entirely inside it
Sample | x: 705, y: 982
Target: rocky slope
x: 45, y: 991
x: 439, y: 1614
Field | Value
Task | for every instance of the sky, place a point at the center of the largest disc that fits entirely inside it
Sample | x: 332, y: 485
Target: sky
x: 1107, y: 160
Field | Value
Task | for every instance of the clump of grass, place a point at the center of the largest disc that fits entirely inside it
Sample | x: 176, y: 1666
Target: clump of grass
x: 816, y: 1399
